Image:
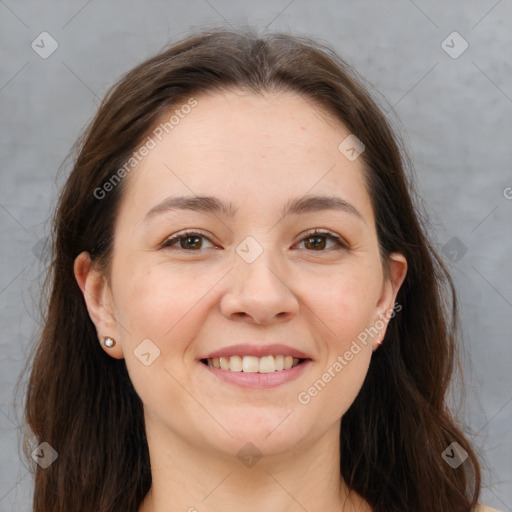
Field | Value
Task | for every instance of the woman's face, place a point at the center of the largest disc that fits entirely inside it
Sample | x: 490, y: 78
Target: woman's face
x: 249, y: 280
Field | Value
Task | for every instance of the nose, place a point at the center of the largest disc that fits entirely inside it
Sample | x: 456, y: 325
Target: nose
x: 259, y: 293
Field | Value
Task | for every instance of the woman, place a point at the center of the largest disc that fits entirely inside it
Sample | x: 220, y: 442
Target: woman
x: 245, y: 312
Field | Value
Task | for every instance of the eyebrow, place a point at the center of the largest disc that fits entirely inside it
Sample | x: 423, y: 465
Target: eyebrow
x: 209, y: 204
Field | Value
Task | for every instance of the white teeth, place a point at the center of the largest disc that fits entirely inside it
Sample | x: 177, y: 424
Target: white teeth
x: 250, y: 364
x: 253, y: 364
x: 267, y: 364
x: 235, y: 363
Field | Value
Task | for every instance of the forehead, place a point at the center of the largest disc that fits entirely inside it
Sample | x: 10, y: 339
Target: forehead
x: 248, y: 149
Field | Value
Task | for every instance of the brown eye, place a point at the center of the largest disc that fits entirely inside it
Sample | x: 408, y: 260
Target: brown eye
x: 189, y: 241
x: 317, y: 241
x: 188, y: 244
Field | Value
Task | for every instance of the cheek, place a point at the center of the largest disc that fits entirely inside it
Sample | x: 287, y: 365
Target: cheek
x: 345, y: 306
x: 156, y: 309
x: 345, y: 314
x: 164, y: 303
x: 346, y: 301
x: 170, y: 306
x: 155, y: 302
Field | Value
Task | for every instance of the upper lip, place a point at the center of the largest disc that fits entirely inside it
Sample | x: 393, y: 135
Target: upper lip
x: 256, y: 350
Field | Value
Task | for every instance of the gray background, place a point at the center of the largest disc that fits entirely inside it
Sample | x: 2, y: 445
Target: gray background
x: 455, y: 115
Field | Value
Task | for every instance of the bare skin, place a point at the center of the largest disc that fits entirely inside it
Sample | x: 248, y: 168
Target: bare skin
x: 200, y: 295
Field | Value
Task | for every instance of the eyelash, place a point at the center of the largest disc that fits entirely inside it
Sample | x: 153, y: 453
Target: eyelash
x: 310, y: 234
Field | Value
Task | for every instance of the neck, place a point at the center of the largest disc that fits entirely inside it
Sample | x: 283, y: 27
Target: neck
x: 187, y: 478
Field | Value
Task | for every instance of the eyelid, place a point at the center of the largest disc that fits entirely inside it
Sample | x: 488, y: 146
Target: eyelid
x: 184, y: 234
x: 342, y: 243
x: 324, y: 232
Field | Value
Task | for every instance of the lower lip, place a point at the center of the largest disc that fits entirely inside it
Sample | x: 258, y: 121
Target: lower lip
x: 258, y: 380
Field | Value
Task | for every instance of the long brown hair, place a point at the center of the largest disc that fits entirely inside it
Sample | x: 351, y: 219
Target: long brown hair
x: 82, y: 402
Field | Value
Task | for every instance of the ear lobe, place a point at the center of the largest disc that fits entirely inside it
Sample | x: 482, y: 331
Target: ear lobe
x: 98, y: 300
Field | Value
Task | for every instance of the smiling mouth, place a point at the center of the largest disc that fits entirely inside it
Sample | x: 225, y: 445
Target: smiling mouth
x: 253, y: 364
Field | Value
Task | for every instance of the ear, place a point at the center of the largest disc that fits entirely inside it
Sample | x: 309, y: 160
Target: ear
x: 396, y: 272
x: 98, y: 299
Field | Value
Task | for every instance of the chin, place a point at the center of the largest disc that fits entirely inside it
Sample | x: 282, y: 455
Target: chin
x: 268, y: 434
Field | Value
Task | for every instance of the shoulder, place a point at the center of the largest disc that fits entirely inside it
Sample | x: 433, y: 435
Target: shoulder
x: 483, y: 508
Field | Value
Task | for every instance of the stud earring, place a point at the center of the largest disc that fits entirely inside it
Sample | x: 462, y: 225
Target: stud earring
x: 109, y: 342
